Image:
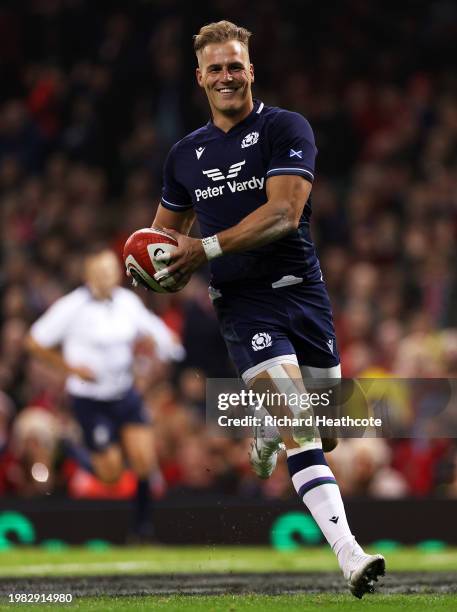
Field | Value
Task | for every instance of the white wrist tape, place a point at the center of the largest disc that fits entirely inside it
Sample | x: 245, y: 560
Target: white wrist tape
x: 212, y: 247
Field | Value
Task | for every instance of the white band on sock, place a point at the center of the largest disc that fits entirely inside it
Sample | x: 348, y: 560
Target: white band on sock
x: 307, y: 446
x: 212, y: 247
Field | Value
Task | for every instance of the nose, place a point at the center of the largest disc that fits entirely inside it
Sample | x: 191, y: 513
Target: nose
x: 226, y: 75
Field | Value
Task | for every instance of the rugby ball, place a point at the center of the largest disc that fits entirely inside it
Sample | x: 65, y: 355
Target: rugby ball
x: 140, y: 252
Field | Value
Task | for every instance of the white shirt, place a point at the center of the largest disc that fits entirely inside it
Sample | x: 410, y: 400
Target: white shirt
x: 100, y: 335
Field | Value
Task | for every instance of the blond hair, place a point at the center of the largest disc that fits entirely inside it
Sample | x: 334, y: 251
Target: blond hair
x: 220, y: 32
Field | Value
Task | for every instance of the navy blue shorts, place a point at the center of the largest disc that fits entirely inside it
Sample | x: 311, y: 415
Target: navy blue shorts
x: 101, y: 420
x: 265, y: 323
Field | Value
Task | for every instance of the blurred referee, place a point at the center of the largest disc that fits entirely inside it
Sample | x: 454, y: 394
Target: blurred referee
x: 90, y: 335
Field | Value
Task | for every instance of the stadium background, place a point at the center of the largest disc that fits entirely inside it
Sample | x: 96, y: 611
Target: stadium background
x: 91, y: 99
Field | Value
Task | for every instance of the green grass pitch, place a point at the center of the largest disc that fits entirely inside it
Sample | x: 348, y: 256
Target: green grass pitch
x: 21, y: 563
x: 76, y: 561
x: 256, y: 603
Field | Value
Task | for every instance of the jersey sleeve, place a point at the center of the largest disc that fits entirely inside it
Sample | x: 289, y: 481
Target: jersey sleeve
x: 167, y: 344
x: 174, y: 195
x: 293, y: 150
x: 50, y: 329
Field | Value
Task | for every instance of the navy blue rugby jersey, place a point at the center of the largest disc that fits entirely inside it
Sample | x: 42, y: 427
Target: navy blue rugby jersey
x: 223, y: 177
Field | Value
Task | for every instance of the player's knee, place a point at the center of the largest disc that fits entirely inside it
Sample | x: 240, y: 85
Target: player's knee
x: 108, y: 469
x: 303, y: 435
x: 138, y: 447
x: 109, y: 474
x: 141, y: 464
x: 305, y: 431
x: 329, y: 444
x: 289, y: 442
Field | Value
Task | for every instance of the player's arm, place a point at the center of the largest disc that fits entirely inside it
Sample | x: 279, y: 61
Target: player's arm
x: 48, y: 333
x: 54, y: 358
x: 166, y: 343
x: 180, y: 221
x: 287, y: 196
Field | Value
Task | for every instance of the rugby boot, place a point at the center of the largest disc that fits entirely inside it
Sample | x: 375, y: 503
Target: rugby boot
x: 264, y: 450
x: 362, y: 570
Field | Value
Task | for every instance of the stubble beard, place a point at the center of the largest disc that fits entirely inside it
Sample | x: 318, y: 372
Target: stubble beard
x: 232, y: 111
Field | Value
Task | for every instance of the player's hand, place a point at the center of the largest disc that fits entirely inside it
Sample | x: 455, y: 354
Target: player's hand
x: 83, y: 372
x: 189, y: 256
x: 135, y: 283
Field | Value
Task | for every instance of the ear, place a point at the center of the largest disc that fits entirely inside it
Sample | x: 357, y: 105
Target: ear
x: 251, y: 70
x: 199, y: 76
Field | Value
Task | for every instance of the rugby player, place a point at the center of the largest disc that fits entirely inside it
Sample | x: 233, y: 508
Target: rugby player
x: 247, y: 176
x: 90, y: 334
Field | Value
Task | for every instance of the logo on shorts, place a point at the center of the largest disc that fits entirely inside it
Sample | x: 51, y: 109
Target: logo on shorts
x: 330, y: 344
x: 260, y: 341
x: 250, y: 139
x: 101, y: 435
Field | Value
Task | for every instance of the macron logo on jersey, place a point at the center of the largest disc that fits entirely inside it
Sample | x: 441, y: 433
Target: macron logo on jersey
x: 216, y: 175
x: 199, y: 152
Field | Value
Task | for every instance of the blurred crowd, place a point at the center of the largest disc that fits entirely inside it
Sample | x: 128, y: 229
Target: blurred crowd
x: 91, y: 99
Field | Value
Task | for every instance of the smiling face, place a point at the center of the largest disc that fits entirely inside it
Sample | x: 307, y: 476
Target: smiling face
x: 226, y: 75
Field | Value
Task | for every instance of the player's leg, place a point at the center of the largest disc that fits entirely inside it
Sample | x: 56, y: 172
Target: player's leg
x: 318, y: 379
x: 314, y: 339
x: 267, y: 439
x: 137, y: 439
x: 312, y: 478
x: 108, y: 464
x: 138, y: 443
x: 102, y: 454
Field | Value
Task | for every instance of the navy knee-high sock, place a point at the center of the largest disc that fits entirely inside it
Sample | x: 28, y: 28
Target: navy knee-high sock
x: 143, y: 505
